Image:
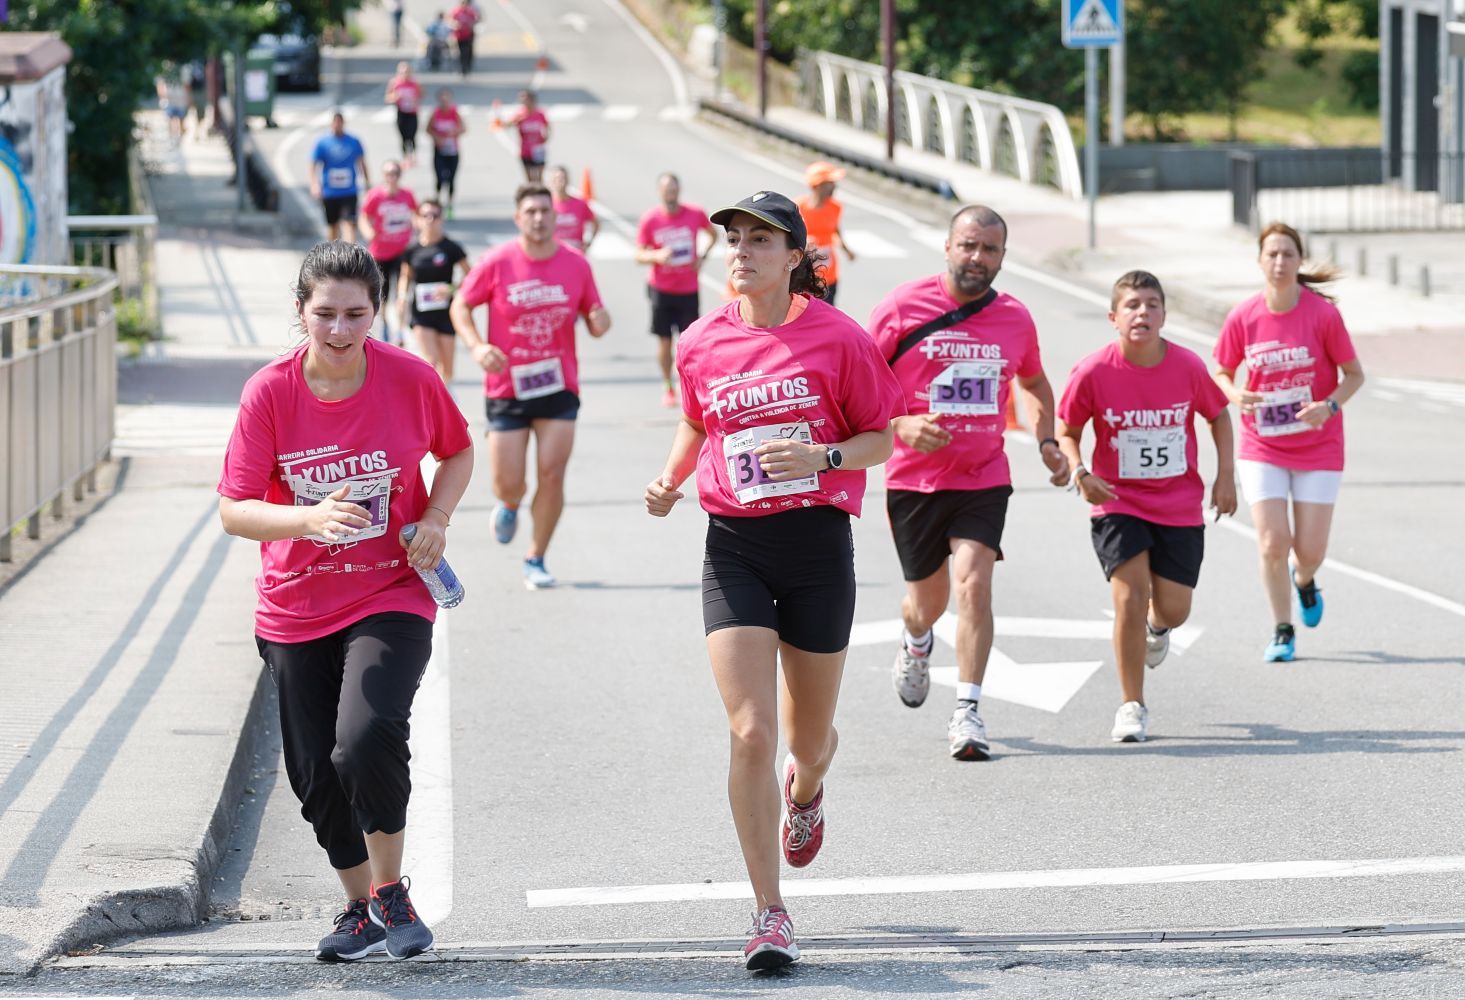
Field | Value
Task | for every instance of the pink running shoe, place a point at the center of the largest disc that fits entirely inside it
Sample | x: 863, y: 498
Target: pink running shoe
x: 803, y: 825
x: 771, y: 941
x: 669, y: 398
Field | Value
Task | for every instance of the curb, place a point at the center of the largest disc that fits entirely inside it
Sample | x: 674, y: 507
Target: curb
x: 185, y: 902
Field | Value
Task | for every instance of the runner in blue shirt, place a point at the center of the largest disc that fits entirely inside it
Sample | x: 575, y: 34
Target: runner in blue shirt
x: 337, y: 160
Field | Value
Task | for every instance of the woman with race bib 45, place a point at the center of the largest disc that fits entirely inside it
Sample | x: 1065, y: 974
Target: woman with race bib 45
x: 785, y: 402
x: 1293, y: 342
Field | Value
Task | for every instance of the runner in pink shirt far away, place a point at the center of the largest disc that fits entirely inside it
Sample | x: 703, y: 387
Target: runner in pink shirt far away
x: 533, y: 129
x: 667, y: 240
x: 575, y: 224
x: 386, y: 222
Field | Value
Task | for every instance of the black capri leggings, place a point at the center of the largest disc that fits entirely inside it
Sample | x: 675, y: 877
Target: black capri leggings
x: 407, y: 129
x: 793, y: 572
x: 345, y: 702
x: 445, y: 166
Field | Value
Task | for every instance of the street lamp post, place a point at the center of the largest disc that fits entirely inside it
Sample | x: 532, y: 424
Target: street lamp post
x: 887, y: 32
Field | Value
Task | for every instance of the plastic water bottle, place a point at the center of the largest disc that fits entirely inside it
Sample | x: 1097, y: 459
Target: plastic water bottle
x: 442, y: 583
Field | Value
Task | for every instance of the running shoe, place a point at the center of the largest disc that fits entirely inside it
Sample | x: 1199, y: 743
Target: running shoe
x: 967, y: 734
x: 803, y: 825
x: 1309, y: 602
x: 505, y: 523
x: 669, y: 398
x: 1283, y: 647
x: 1157, y: 645
x: 911, y: 676
x: 1131, y: 723
x: 536, y: 577
x: 355, y: 935
x: 392, y: 911
x: 771, y: 941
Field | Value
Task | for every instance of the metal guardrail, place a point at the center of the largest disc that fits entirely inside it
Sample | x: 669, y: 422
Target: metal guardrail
x: 1353, y: 191
x: 58, y: 389
x: 1025, y: 139
x: 125, y: 244
x: 927, y: 182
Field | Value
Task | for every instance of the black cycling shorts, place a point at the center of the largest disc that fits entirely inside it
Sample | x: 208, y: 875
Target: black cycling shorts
x: 672, y: 313
x: 924, y: 524
x: 516, y: 414
x: 793, y: 572
x: 1175, y: 551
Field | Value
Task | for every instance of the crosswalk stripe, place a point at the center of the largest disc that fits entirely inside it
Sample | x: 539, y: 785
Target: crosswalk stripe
x: 611, y: 245
x: 868, y: 244
x: 620, y: 112
x: 173, y: 429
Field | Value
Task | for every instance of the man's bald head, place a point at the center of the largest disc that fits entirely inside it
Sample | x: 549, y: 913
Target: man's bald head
x: 979, y: 215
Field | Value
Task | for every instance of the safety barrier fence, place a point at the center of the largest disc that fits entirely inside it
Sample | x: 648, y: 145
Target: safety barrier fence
x: 1354, y: 191
x: 58, y: 389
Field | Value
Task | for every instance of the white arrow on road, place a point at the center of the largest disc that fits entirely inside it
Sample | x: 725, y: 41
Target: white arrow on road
x: 1044, y: 686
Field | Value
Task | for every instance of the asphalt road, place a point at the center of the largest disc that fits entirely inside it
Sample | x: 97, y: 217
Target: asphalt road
x: 572, y: 739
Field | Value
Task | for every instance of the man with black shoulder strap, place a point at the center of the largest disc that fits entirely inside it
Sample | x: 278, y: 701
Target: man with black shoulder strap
x: 956, y: 346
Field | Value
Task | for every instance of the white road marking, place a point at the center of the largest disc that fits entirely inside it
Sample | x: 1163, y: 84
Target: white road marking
x: 611, y: 245
x: 677, y: 113
x: 1386, y: 395
x: 563, y: 112
x: 173, y: 429
x: 869, y: 244
x: 620, y: 112
x: 1440, y: 392
x: 1377, y: 579
x: 673, y: 71
x: 384, y: 116
x: 576, y: 22
x: 428, y: 853
x: 1258, y: 871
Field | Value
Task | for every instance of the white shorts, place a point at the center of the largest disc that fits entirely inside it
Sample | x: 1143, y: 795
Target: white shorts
x: 1260, y: 481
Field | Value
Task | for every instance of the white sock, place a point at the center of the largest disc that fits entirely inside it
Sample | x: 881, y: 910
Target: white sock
x: 968, y: 692
x: 920, y: 645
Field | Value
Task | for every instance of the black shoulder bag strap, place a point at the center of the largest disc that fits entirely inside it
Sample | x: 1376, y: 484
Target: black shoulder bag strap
x: 941, y: 322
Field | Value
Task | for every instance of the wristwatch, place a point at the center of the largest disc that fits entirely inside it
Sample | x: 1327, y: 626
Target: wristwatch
x: 1333, y: 406
x: 833, y: 457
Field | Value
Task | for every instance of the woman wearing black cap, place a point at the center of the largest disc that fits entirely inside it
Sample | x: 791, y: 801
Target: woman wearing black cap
x: 785, y: 403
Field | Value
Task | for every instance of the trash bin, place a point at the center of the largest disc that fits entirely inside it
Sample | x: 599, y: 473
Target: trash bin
x: 259, y: 84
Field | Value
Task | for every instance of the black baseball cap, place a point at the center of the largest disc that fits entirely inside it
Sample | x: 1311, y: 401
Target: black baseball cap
x: 773, y: 208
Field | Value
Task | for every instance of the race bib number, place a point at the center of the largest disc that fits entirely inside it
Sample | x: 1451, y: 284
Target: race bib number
x: 683, y: 251
x: 538, y: 378
x: 340, y: 177
x: 396, y: 218
x: 447, y: 145
x: 536, y: 154
x: 968, y: 388
x: 749, y: 482
x: 373, y: 494
x: 433, y: 296
x: 1151, y: 452
x: 1276, y: 414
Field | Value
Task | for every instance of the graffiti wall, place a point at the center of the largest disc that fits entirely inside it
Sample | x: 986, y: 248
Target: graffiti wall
x: 33, y: 171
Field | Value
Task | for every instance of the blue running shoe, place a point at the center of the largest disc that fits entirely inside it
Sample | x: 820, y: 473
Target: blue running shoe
x: 1283, y: 647
x: 404, y: 932
x: 355, y: 935
x: 536, y: 577
x: 505, y: 523
x: 1309, y: 602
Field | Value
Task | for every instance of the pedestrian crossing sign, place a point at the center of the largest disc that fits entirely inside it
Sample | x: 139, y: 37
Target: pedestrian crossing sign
x: 1092, y: 23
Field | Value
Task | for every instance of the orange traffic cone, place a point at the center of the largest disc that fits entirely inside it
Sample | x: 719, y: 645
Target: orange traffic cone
x: 587, y: 190
x: 497, y: 119
x: 1013, y: 423
x: 542, y: 63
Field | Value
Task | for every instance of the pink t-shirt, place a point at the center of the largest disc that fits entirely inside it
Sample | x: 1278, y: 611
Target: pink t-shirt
x: 1144, y: 433
x: 391, y: 221
x: 678, y: 231
x: 532, y: 305
x: 571, y: 216
x: 444, y: 126
x: 816, y: 378
x: 288, y: 447
x: 464, y: 18
x: 1292, y: 358
x: 964, y: 373
x: 533, y: 134
x: 407, y: 95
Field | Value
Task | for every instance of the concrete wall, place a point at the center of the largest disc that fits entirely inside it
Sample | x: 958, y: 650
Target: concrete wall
x: 33, y: 171
x: 1183, y: 167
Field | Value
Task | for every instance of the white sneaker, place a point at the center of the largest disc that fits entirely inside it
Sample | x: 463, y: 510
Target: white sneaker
x: 967, y: 734
x: 1157, y: 645
x: 536, y: 577
x: 912, y: 677
x: 1131, y: 723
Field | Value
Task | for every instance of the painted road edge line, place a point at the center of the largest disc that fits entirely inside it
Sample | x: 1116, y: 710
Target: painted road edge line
x: 1263, y: 871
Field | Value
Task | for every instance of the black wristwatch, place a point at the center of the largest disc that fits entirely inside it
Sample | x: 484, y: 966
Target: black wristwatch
x: 833, y: 457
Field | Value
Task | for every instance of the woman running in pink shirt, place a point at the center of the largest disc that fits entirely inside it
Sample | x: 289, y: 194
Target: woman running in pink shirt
x: 785, y: 402
x: 1293, y: 343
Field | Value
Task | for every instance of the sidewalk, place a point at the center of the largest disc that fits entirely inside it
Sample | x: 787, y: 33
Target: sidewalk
x: 1207, y: 264
x: 131, y: 673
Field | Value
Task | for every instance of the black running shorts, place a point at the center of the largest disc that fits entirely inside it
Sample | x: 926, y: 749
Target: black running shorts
x: 793, y: 572
x: 924, y: 524
x: 516, y: 414
x: 1175, y: 552
x: 336, y: 209
x: 672, y: 313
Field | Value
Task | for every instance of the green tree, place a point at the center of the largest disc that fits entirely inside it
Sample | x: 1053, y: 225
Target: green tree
x: 118, y: 48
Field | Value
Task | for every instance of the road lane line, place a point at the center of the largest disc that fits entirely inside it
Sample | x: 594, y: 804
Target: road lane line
x: 1377, y: 579
x: 1067, y: 878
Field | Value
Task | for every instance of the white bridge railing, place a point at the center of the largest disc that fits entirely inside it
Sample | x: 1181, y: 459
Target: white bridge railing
x: 1024, y: 139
